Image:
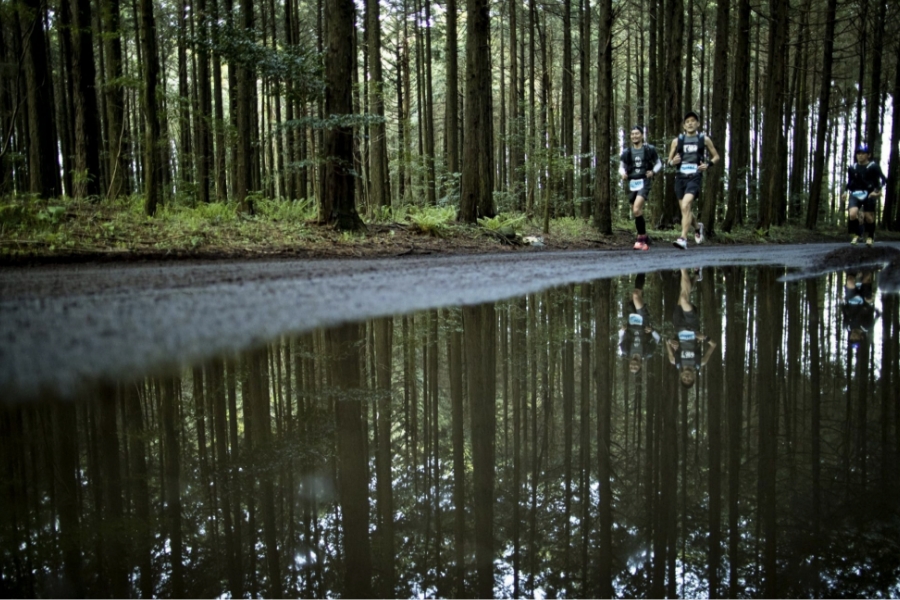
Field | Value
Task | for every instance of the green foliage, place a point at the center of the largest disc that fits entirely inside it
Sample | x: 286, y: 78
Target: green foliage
x: 432, y: 220
x: 288, y: 211
x: 503, y: 223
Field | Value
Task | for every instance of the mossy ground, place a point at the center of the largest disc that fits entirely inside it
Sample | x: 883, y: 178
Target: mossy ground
x: 63, y: 230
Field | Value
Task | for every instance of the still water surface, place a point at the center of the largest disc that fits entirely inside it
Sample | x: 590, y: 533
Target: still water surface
x: 668, y: 434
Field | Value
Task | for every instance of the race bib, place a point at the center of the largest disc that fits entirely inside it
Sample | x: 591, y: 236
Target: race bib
x: 688, y: 168
x: 687, y: 355
x: 635, y: 319
x: 861, y: 194
x: 855, y: 300
x: 686, y: 335
x: 636, y: 185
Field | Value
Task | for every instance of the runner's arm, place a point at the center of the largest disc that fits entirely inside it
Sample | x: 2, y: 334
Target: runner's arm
x: 672, y: 148
x: 713, y: 153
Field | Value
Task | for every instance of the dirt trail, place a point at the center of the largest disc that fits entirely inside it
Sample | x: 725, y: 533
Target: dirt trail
x: 63, y: 327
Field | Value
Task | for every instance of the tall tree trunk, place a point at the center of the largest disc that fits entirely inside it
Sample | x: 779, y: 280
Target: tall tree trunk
x: 451, y: 57
x: 815, y: 191
x: 891, y: 216
x: 801, y: 117
x: 380, y: 188
x: 476, y: 194
x: 739, y: 143
x: 602, y: 200
x: 43, y: 165
x: 152, y: 166
x: 568, y: 110
x: 204, y: 115
x: 585, y: 65
x: 338, y: 198
x: 874, y: 104
x: 87, y: 114
x: 246, y: 84
x: 672, y: 95
x: 712, y: 193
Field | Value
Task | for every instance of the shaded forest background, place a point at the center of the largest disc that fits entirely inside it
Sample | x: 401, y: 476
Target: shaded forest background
x: 199, y: 102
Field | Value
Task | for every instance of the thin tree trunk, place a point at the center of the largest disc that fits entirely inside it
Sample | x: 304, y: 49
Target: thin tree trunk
x: 815, y: 192
x: 602, y: 200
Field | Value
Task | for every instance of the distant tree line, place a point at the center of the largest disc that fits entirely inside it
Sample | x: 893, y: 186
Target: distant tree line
x: 502, y: 105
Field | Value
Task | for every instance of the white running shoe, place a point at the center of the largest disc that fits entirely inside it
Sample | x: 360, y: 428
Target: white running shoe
x: 698, y: 233
x: 680, y: 243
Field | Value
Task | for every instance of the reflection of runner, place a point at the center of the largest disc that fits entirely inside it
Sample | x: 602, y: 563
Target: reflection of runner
x: 637, y: 165
x: 685, y: 349
x: 864, y: 182
x: 858, y: 308
x: 688, y: 153
x: 637, y: 338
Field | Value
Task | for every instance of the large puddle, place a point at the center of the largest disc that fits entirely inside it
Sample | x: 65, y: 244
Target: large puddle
x: 680, y: 433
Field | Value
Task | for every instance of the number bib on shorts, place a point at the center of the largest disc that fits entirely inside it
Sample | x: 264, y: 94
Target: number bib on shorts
x: 636, y: 185
x: 688, y: 169
x: 861, y: 194
x: 686, y: 336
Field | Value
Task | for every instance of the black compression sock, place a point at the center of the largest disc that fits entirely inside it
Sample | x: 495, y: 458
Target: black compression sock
x: 641, y: 225
x: 852, y: 226
x: 870, y: 230
x: 639, y: 281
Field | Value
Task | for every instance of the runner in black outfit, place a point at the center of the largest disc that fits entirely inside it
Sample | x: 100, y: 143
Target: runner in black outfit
x: 858, y: 308
x: 685, y: 350
x: 637, y: 337
x: 864, y: 181
x: 688, y: 153
x: 637, y: 165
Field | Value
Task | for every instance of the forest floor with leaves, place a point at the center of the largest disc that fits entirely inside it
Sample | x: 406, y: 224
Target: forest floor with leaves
x: 65, y: 231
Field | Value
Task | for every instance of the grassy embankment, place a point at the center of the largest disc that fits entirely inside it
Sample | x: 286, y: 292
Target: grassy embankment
x: 32, y: 228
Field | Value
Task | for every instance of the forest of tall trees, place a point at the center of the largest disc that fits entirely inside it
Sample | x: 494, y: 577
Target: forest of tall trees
x: 371, y: 105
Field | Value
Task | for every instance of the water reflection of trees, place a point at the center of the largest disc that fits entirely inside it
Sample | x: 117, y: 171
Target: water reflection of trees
x: 497, y: 449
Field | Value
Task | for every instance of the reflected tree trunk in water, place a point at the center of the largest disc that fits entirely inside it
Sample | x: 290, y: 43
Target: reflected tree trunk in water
x: 172, y: 468
x: 712, y: 325
x: 769, y: 341
x: 568, y: 392
x: 115, y: 545
x: 344, y: 348
x: 863, y: 373
x: 584, y: 483
x: 223, y: 470
x: 735, y: 336
x: 457, y: 427
x: 604, y: 376
x: 66, y: 477
x: 231, y: 374
x: 384, y: 456
x: 518, y: 343
x: 480, y: 331
x: 815, y: 384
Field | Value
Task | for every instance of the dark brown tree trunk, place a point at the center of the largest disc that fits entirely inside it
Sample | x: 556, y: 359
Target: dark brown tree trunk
x: 452, y: 94
x: 585, y: 65
x: 801, y: 117
x: 715, y: 177
x: 739, y: 147
x: 87, y: 114
x: 204, y: 116
x: 673, y: 84
x: 602, y: 200
x: 477, y: 189
x: 568, y: 111
x: 380, y: 187
x: 816, y: 191
x: 152, y: 166
x: 771, y: 189
x: 246, y: 84
x: 338, y: 198
x: 43, y: 165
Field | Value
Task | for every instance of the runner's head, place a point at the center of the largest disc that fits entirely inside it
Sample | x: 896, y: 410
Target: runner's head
x: 635, y: 364
x: 863, y: 154
x: 637, y: 135
x: 688, y: 377
x: 691, y: 121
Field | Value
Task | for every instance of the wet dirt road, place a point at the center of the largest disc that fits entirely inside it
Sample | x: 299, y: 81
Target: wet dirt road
x: 62, y: 327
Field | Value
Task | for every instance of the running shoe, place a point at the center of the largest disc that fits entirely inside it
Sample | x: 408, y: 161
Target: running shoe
x: 681, y: 243
x: 869, y: 242
x: 698, y: 233
x: 854, y: 240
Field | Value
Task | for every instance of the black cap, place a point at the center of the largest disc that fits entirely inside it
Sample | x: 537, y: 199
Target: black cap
x: 863, y: 147
x: 690, y: 113
x: 638, y: 128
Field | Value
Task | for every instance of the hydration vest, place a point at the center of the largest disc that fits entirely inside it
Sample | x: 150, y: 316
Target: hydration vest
x: 691, y: 155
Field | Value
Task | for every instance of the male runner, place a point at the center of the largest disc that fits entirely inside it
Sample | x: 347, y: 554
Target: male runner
x: 864, y: 188
x: 688, y: 153
x: 637, y: 165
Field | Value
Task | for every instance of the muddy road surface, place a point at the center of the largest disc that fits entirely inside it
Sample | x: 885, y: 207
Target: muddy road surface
x: 65, y: 327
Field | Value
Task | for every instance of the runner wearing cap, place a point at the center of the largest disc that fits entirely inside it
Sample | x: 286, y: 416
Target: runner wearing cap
x: 863, y: 188
x: 688, y: 153
x: 637, y: 165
